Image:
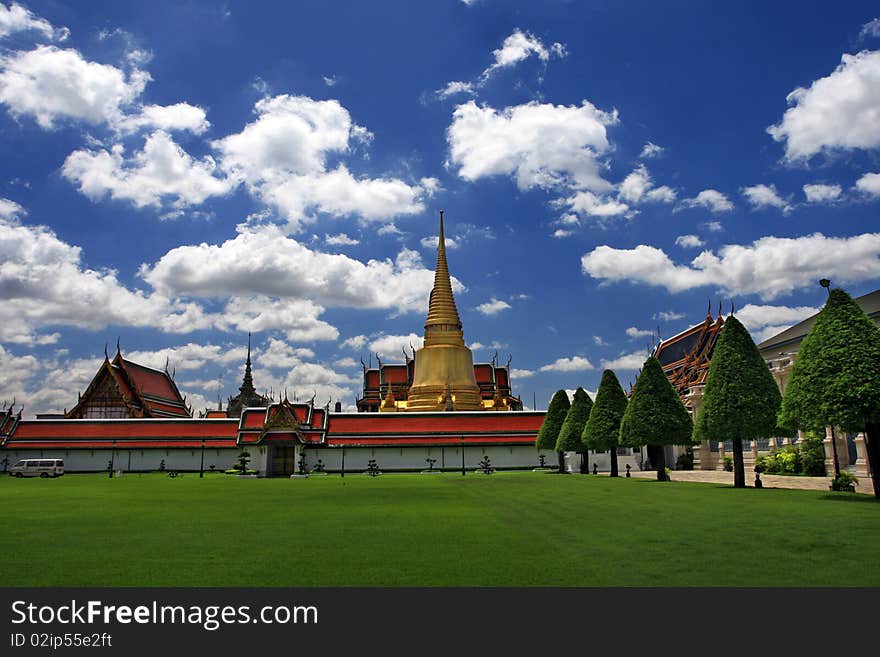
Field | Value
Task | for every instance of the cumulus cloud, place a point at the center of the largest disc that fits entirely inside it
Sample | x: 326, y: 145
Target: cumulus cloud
x: 869, y: 184
x: 650, y: 150
x: 766, y: 321
x: 264, y: 261
x: 871, y: 29
x: 765, y: 196
x: 391, y: 347
x: 282, y: 157
x: 161, y: 172
x: 180, y: 116
x: 769, y: 267
x: 355, y: 343
x: 10, y: 210
x: 573, y: 364
x: 51, y: 84
x: 431, y: 241
x: 493, y: 307
x: 821, y: 193
x: 634, y: 332
x: 298, y: 319
x: 191, y: 356
x: 668, y: 316
x: 516, y: 373
x: 588, y: 203
x: 516, y: 47
x: 540, y: 145
x: 689, y: 241
x: 633, y: 361
x: 340, y: 240
x: 711, y: 199
x: 638, y: 187
x: 837, y: 112
x: 16, y: 18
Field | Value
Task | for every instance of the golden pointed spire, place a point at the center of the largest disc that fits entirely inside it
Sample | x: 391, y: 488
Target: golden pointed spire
x: 443, y: 324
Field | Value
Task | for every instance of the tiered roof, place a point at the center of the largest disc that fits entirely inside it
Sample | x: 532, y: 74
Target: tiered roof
x: 686, y: 357
x: 131, y: 390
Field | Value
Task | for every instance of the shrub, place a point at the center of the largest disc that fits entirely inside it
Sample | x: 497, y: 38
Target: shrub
x: 727, y: 462
x: 685, y: 461
x: 845, y: 481
x: 813, y: 456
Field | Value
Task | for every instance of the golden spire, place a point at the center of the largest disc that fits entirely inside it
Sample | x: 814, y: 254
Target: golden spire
x: 443, y: 325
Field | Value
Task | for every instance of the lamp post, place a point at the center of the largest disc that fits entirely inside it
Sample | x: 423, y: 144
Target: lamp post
x: 202, y: 464
x: 462, y: 456
x: 827, y: 285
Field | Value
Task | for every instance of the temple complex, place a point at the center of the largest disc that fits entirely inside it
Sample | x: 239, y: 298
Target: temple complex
x: 438, y: 411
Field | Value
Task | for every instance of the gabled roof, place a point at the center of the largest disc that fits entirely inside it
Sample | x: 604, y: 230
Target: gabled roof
x: 870, y: 303
x: 685, y: 357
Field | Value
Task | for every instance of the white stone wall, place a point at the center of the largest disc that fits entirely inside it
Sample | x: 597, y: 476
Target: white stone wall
x: 133, y: 460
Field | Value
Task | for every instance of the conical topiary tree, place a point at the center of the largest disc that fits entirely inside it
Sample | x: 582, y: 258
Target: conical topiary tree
x: 655, y: 415
x: 570, y: 435
x: 741, y: 399
x: 835, y: 380
x: 548, y: 434
x: 602, y: 431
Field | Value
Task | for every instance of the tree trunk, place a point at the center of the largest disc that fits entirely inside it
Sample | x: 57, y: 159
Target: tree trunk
x: 585, y: 463
x: 561, y: 457
x: 613, y: 462
x: 872, y: 446
x: 658, y: 459
x: 739, y: 468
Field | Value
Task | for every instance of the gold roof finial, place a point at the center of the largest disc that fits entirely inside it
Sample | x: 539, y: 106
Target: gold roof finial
x: 442, y: 313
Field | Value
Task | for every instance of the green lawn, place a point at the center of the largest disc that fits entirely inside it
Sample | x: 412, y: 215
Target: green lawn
x: 508, y: 529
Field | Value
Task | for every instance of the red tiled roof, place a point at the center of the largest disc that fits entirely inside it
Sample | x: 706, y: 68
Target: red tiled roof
x: 152, y: 382
x: 125, y: 429
x: 434, y: 423
x: 483, y: 372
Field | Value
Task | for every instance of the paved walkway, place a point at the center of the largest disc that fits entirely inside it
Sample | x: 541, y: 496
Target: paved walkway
x: 770, y: 481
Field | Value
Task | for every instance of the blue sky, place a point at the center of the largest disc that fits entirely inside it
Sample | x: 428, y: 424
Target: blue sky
x: 178, y: 174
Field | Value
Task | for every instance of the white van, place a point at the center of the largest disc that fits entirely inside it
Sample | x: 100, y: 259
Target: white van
x: 37, y: 468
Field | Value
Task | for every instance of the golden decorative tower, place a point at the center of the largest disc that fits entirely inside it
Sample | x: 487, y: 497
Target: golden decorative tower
x: 444, y: 367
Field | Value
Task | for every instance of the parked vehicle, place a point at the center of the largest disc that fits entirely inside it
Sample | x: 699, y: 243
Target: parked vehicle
x: 38, y: 468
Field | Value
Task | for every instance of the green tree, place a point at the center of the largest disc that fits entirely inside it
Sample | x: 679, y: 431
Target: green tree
x: 655, y: 416
x: 570, y: 434
x: 835, y: 380
x: 602, y: 431
x: 548, y: 434
x: 741, y: 399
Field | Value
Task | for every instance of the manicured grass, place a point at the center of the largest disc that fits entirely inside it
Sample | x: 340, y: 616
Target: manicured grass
x: 508, y: 529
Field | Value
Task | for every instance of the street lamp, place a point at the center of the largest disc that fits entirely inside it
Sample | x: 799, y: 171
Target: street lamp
x: 462, y: 456
x: 112, y: 459
x: 202, y: 465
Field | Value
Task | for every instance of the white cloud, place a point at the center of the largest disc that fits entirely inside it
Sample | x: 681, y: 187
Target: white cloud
x: 869, y: 184
x: 638, y: 187
x: 355, y: 343
x: 340, y: 240
x: 821, y: 193
x: 837, y: 112
x: 431, y: 241
x: 282, y: 156
x: 573, y: 364
x: 518, y: 47
x: 713, y: 226
x: 633, y: 361
x: 390, y: 347
x: 264, y: 261
x: 493, y: 307
x: 769, y: 267
x: 587, y: 203
x: 297, y: 318
x: 49, y: 84
x: 16, y: 18
x: 191, y: 356
x: 559, y: 233
x: 668, y: 316
x: 598, y: 341
x: 541, y: 145
x: 180, y: 116
x: 329, y: 80
x: 45, y: 283
x: 689, y: 241
x: 765, y: 196
x: 650, y: 150
x: 279, y: 354
x: 479, y: 346
x: 710, y: 199
x: 516, y: 373
x: 634, y: 332
x: 456, y: 87
x: 161, y: 172
x: 871, y: 29
x: 766, y: 321
x: 10, y: 210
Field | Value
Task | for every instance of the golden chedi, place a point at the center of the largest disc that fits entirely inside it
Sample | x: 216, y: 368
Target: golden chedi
x: 443, y: 378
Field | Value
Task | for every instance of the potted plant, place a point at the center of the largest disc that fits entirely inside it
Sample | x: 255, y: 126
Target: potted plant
x: 845, y: 482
